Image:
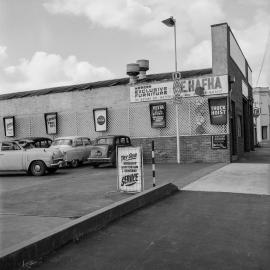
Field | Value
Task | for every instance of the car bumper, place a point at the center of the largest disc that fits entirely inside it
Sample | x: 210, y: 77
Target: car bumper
x: 100, y: 160
x: 58, y: 164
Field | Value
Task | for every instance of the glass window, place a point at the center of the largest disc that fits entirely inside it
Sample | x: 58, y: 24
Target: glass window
x: 86, y: 141
x: 78, y: 142
x: 62, y: 142
x: 9, y: 146
x: 104, y: 141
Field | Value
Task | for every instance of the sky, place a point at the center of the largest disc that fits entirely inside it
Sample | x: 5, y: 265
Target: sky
x: 48, y: 43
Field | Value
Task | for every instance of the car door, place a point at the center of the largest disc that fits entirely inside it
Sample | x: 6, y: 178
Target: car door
x: 87, y: 147
x: 11, y: 157
x: 79, y: 149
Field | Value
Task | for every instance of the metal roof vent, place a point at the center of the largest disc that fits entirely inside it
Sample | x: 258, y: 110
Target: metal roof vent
x: 133, y: 70
x: 144, y: 66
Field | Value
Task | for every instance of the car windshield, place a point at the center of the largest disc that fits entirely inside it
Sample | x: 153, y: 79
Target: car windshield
x: 27, y: 145
x: 104, y: 141
x: 62, y: 142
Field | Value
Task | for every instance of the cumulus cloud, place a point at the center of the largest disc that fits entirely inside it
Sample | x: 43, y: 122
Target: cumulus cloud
x: 49, y: 70
x: 3, y: 53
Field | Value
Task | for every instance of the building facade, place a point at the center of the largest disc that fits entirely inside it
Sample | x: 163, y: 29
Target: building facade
x: 199, y: 116
x: 261, y: 96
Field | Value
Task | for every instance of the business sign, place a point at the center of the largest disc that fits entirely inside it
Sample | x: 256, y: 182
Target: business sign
x: 9, y: 126
x: 129, y: 164
x: 211, y: 85
x: 218, y: 111
x: 100, y: 119
x: 150, y: 92
x: 219, y: 141
x: 158, y: 115
x: 51, y: 123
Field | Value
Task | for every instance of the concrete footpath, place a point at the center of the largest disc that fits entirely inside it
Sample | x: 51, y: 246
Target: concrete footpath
x: 221, y: 221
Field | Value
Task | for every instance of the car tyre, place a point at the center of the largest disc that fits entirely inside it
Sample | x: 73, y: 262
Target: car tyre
x: 38, y: 168
x: 74, y: 163
x: 95, y: 165
x: 52, y: 170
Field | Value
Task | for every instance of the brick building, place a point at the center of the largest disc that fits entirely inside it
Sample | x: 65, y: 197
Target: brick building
x: 212, y: 112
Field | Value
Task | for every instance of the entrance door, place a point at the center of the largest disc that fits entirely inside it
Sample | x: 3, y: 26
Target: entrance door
x: 264, y: 132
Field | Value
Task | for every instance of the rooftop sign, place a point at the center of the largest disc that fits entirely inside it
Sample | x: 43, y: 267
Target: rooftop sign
x: 212, y: 85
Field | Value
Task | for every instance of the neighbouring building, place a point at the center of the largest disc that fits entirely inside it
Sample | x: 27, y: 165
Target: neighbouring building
x: 201, y: 115
x: 261, y: 96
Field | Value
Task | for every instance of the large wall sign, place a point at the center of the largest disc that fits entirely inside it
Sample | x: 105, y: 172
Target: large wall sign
x: 158, y: 115
x: 51, y: 123
x: 211, y: 85
x: 130, y: 176
x: 219, y: 141
x: 218, y: 111
x: 100, y: 119
x: 9, y: 126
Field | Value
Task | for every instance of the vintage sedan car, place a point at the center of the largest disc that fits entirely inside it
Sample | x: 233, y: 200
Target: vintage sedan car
x: 105, y: 148
x: 76, y: 149
x: 37, y: 142
x: 35, y: 161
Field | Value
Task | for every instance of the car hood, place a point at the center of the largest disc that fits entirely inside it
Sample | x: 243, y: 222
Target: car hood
x: 99, y: 150
x: 55, y: 151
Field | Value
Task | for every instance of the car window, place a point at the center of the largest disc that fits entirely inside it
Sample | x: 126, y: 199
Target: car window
x: 104, y: 141
x: 9, y: 146
x: 78, y: 142
x: 127, y: 140
x: 117, y: 141
x: 62, y: 142
x: 86, y: 141
x: 122, y: 140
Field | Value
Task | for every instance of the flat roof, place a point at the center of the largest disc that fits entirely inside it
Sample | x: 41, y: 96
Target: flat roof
x: 107, y: 83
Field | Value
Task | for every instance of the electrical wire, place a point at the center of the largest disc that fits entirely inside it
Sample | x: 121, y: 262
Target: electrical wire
x: 264, y: 56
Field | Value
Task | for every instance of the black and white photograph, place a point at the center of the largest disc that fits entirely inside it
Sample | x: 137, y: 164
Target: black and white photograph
x: 135, y: 134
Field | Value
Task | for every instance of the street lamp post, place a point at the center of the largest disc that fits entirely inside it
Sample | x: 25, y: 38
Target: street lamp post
x: 171, y: 22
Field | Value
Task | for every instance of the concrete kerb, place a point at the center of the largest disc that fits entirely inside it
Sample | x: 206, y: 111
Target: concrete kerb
x: 44, y: 244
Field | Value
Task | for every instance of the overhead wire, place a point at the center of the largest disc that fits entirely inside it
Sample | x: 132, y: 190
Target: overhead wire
x: 264, y: 56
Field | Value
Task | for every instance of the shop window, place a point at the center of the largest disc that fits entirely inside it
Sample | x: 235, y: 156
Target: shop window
x: 239, y: 126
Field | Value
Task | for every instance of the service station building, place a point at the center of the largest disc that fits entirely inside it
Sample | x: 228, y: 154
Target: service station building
x: 205, y: 114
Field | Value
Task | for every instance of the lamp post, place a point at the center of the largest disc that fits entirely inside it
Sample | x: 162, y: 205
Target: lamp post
x: 171, y: 22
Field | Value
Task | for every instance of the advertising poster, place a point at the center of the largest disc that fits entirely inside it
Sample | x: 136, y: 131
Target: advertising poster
x: 218, y: 111
x: 130, y: 176
x: 100, y: 119
x: 51, y: 123
x: 219, y: 141
x: 158, y: 115
x: 9, y: 126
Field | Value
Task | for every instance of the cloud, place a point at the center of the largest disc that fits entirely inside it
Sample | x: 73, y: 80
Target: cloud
x: 49, y: 70
x: 3, y: 53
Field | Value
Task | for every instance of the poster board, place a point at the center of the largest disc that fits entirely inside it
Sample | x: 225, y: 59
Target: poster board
x: 51, y: 123
x: 158, y: 114
x: 218, y: 110
x: 100, y: 119
x: 9, y: 126
x: 219, y: 141
x: 130, y: 169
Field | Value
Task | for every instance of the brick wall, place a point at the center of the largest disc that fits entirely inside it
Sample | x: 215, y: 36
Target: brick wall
x: 192, y: 149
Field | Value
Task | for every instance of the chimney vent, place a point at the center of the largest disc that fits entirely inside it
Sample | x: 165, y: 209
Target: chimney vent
x: 133, y: 70
x: 144, y: 66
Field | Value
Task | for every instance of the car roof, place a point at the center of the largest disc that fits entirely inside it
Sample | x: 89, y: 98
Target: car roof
x: 71, y: 137
x: 34, y: 138
x: 111, y: 136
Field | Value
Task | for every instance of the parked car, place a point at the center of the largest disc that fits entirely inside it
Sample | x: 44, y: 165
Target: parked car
x: 76, y: 149
x: 105, y: 147
x: 38, y: 142
x: 35, y: 161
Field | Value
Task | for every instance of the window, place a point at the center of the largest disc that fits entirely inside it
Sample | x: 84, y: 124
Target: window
x: 78, y: 142
x: 9, y: 146
x: 86, y: 141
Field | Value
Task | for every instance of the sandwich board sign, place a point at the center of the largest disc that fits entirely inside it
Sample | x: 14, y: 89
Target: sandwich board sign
x: 130, y: 169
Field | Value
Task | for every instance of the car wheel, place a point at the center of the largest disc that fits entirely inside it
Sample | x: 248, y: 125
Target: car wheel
x: 74, y: 163
x: 95, y: 165
x: 52, y: 170
x: 38, y: 168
